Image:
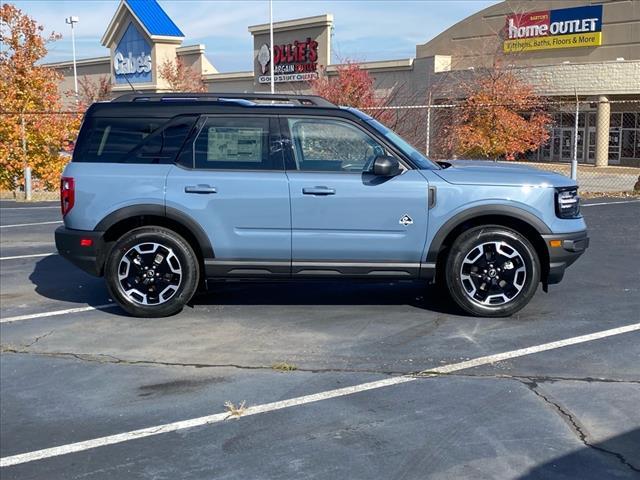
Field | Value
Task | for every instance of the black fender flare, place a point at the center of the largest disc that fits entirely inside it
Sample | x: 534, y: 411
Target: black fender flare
x: 159, y: 211
x: 482, y: 211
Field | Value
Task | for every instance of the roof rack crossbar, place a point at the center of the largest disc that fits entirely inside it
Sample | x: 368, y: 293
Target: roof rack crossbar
x: 307, y: 100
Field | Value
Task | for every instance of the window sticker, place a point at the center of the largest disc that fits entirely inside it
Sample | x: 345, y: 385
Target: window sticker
x: 234, y: 144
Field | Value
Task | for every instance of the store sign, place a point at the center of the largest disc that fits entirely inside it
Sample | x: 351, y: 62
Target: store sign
x: 132, y: 58
x: 131, y: 65
x: 550, y: 29
x: 293, y: 62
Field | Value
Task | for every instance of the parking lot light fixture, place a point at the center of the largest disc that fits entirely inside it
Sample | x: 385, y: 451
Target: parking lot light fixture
x: 72, y: 20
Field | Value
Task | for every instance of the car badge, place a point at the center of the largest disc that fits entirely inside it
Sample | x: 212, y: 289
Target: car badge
x: 406, y: 220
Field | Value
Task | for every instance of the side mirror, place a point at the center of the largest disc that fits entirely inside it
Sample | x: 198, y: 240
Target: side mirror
x: 386, y: 166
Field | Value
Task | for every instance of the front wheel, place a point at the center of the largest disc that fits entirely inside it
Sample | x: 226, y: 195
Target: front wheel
x: 492, y: 271
x: 152, y: 272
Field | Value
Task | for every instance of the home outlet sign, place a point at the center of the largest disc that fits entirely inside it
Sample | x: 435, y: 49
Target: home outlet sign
x: 131, y: 58
x: 549, y: 29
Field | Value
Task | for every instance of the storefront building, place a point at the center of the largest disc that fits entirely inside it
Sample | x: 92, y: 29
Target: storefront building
x: 566, y: 49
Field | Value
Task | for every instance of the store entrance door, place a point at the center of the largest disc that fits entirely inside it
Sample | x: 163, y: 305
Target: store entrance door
x: 566, y: 144
x: 591, y: 145
x: 614, y: 146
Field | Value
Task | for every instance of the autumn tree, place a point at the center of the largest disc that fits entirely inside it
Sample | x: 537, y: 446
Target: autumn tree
x: 501, y: 117
x: 27, y: 136
x: 91, y: 91
x: 351, y: 86
x: 180, y: 77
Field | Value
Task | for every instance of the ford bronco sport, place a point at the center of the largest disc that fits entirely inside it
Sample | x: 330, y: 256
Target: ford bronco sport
x: 166, y: 192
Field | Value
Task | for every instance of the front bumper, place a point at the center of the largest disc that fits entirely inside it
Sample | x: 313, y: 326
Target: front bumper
x: 90, y: 258
x: 572, y: 245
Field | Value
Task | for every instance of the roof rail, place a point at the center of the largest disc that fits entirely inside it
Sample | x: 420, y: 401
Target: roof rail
x: 306, y: 100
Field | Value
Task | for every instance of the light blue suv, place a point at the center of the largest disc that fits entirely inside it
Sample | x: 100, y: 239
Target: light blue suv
x: 166, y: 192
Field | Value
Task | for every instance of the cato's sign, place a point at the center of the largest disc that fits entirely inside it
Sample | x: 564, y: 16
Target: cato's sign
x: 549, y: 29
x: 294, y: 62
x: 131, y: 58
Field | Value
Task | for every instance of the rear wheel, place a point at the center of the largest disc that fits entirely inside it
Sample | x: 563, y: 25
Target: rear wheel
x: 152, y: 272
x: 492, y: 271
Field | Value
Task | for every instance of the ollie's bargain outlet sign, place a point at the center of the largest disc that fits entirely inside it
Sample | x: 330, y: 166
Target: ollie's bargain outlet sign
x: 549, y: 29
x: 293, y: 62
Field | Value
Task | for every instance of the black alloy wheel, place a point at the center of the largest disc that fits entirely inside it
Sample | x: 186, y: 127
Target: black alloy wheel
x: 492, y: 271
x: 152, y: 272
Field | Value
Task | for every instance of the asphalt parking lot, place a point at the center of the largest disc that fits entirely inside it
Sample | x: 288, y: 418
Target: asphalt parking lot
x: 88, y: 392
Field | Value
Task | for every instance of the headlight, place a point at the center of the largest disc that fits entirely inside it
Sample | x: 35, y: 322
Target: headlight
x: 567, y: 202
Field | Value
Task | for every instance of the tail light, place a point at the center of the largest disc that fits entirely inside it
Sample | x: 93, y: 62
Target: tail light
x: 67, y: 194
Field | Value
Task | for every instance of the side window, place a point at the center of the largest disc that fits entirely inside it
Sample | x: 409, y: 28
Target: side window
x: 163, y: 145
x: 111, y: 138
x: 234, y: 143
x: 332, y: 146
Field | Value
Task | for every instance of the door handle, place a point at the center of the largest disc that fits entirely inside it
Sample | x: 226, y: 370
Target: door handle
x: 200, y: 189
x: 318, y: 191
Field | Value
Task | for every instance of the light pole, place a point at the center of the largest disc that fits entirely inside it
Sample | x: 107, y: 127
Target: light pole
x: 273, y: 89
x: 71, y: 21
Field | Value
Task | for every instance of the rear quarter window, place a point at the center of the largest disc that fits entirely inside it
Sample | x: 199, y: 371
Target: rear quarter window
x: 108, y: 139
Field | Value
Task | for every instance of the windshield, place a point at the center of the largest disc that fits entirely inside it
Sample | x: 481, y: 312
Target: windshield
x: 418, y: 158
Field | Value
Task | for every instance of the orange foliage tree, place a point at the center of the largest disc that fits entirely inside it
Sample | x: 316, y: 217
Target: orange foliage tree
x: 28, y: 137
x: 350, y: 87
x: 91, y: 91
x: 180, y: 77
x: 501, y: 117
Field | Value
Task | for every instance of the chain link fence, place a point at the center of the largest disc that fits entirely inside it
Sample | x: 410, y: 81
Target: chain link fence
x: 595, y: 142
x: 35, y: 148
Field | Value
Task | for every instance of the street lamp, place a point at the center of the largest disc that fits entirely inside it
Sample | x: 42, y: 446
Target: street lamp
x: 71, y: 21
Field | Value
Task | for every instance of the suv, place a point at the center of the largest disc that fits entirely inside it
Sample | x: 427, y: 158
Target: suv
x: 166, y: 192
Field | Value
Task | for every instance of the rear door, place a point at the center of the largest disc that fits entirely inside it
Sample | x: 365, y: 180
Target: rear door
x: 230, y: 179
x: 345, y: 220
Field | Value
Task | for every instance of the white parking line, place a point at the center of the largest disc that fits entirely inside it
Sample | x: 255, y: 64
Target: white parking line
x: 16, y: 257
x: 29, y: 224
x: 303, y: 400
x: 55, y: 313
x: 608, y: 203
x: 27, y: 208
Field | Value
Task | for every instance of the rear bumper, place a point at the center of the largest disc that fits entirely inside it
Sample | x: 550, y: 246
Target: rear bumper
x: 91, y: 258
x: 572, y: 245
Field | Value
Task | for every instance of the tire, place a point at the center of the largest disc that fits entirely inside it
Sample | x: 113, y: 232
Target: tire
x: 174, y: 271
x: 492, y: 271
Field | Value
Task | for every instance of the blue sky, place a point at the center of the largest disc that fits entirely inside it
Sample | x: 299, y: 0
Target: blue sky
x: 363, y: 30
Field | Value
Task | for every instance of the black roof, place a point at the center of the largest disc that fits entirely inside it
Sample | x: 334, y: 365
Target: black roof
x: 166, y: 105
x: 248, y: 99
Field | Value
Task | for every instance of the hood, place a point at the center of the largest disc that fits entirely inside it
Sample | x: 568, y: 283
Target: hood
x: 482, y: 172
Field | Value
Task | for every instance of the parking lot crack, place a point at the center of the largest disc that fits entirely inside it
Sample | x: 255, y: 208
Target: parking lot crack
x: 107, y: 358
x: 576, y: 427
x: 541, y: 378
x: 38, y: 338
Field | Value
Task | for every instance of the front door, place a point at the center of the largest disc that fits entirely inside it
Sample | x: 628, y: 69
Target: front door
x: 344, y: 219
x: 566, y: 145
x: 591, y: 145
x: 615, y: 135
x: 231, y: 181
